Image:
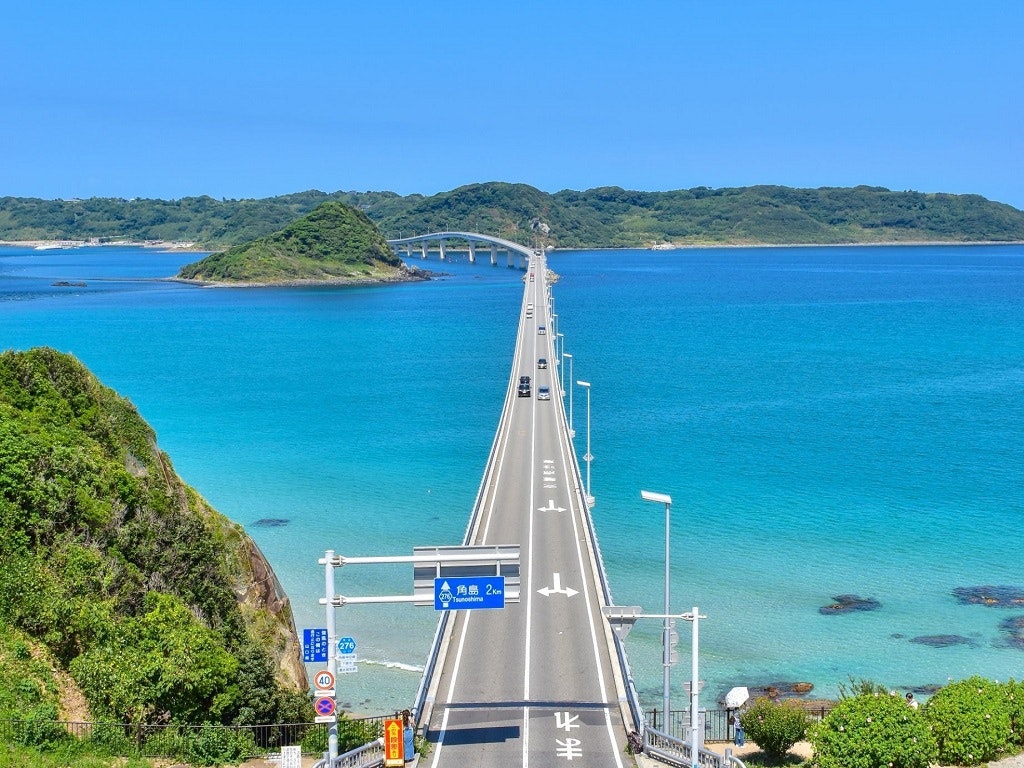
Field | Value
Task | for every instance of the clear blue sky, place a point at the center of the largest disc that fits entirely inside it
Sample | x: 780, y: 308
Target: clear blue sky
x: 146, y: 98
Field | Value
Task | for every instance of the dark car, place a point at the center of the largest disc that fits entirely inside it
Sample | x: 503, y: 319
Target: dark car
x: 524, y: 389
x: 524, y: 380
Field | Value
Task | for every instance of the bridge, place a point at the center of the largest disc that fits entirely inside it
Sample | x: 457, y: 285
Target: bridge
x: 541, y: 682
x: 544, y: 681
x: 517, y: 255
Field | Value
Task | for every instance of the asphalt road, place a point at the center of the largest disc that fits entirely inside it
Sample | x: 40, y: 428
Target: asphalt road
x: 535, y: 683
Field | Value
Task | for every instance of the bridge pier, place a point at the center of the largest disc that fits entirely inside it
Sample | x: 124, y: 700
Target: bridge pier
x: 494, y: 255
x: 472, y: 252
x: 440, y: 247
x: 423, y: 250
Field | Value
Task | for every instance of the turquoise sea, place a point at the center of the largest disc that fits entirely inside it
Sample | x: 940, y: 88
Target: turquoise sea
x: 828, y: 421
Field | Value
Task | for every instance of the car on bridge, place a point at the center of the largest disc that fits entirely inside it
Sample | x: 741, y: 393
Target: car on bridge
x: 542, y: 362
x: 543, y: 393
x: 524, y: 386
x: 541, y: 330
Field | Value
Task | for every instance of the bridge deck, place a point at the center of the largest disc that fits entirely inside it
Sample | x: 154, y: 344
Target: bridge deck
x: 537, y: 683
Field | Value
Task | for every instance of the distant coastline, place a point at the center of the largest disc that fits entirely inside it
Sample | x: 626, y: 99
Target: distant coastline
x: 53, y: 245
x: 45, y: 245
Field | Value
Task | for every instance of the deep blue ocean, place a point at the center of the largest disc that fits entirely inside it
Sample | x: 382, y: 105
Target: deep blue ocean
x: 828, y: 421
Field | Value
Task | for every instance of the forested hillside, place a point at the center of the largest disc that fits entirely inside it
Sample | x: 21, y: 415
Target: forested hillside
x: 334, y: 243
x: 121, y: 589
x: 605, y: 217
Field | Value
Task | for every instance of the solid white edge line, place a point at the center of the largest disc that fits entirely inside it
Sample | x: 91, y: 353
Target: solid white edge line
x: 611, y: 736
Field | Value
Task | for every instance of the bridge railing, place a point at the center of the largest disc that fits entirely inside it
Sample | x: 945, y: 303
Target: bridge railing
x: 673, y: 751
x: 367, y: 756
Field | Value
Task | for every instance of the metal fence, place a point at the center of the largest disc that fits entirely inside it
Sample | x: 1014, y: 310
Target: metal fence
x: 716, y: 722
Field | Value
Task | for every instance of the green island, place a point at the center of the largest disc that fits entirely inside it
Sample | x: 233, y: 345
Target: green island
x: 124, y: 597
x: 605, y: 217
x: 334, y: 243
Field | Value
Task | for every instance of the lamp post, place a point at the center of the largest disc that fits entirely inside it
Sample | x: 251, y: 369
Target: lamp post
x: 695, y: 685
x: 554, y: 332
x: 560, y: 344
x: 572, y: 432
x: 588, y: 457
x: 667, y: 626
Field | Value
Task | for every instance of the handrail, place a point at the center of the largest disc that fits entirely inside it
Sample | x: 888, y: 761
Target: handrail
x: 669, y: 749
x: 366, y: 756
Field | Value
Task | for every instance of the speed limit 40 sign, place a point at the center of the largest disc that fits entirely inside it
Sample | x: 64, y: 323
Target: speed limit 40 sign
x: 323, y: 680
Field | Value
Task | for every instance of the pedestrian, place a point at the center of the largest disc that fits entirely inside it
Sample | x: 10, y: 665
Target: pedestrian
x: 408, y: 736
x: 738, y: 738
x: 911, y: 701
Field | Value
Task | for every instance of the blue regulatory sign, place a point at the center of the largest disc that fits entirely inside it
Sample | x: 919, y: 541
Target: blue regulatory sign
x: 314, y: 645
x: 460, y: 593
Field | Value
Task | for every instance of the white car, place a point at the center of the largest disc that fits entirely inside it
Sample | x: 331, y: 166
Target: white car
x: 543, y: 393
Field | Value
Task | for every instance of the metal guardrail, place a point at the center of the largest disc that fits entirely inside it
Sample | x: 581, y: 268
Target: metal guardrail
x: 716, y: 722
x: 367, y: 756
x: 673, y: 751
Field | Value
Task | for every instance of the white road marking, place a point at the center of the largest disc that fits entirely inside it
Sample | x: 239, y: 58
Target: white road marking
x: 558, y: 589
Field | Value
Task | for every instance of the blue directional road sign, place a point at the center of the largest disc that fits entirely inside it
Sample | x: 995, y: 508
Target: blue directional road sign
x: 314, y: 645
x: 460, y: 593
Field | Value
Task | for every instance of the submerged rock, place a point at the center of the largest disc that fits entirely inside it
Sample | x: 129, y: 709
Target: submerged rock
x: 1013, y: 629
x: 780, y: 690
x: 1003, y: 596
x: 850, y: 603
x: 271, y: 522
x: 942, y: 641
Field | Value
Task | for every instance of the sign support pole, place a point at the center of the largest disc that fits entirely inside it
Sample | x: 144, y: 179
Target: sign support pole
x: 332, y: 651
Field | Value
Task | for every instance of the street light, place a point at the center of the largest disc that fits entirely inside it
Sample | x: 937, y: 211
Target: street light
x: 560, y: 342
x: 667, y: 626
x: 554, y: 332
x: 572, y: 432
x: 588, y: 457
x: 695, y: 686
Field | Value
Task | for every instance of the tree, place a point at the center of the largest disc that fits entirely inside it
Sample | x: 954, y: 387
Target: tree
x: 775, y: 726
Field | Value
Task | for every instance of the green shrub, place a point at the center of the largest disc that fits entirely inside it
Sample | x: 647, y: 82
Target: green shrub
x: 971, y: 721
x: 1014, y: 694
x: 776, y: 727
x: 216, y: 746
x: 356, y: 733
x: 38, y: 727
x: 314, y: 740
x: 873, y: 729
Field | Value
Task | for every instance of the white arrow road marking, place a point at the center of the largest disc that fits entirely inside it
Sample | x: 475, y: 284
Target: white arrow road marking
x: 558, y: 589
x: 551, y: 507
